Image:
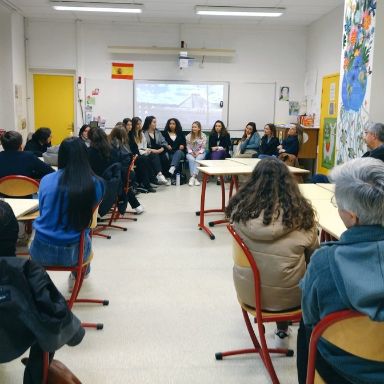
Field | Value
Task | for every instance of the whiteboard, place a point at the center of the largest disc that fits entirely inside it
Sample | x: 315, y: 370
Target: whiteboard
x: 108, y: 101
x: 251, y: 102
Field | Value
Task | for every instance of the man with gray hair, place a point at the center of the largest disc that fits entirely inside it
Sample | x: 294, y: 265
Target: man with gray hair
x: 348, y: 274
x: 374, y: 138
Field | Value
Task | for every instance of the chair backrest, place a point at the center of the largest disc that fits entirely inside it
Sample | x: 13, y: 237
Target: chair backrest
x: 129, y: 171
x: 243, y: 257
x: 18, y: 186
x: 350, y: 331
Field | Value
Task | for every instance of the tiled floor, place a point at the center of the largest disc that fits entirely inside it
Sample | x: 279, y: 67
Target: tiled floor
x: 172, y: 304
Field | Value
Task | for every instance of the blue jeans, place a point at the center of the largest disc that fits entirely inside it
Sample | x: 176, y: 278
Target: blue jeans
x: 192, y: 163
x: 60, y: 255
x: 176, y: 157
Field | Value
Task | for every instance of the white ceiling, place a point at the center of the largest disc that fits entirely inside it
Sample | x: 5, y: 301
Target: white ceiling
x: 298, y: 12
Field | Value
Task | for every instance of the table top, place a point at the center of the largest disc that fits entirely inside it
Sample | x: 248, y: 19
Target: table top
x: 226, y: 170
x: 253, y: 162
x: 314, y: 192
x: 329, y: 187
x: 21, y: 207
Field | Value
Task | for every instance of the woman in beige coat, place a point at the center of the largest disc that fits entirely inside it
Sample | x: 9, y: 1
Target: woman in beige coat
x: 278, y: 225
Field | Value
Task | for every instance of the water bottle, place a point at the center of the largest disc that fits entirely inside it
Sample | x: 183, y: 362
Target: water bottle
x: 177, y: 178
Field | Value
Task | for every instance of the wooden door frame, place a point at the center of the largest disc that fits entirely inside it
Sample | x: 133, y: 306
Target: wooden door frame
x: 30, y: 94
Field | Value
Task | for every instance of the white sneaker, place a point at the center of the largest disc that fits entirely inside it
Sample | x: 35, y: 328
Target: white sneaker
x: 168, y: 183
x: 172, y: 170
x: 139, y: 210
x: 191, y: 181
x: 197, y: 182
x: 281, y: 339
x: 161, y: 179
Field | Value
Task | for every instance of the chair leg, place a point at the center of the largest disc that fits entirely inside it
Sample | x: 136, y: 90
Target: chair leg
x: 259, y: 347
x: 45, y: 367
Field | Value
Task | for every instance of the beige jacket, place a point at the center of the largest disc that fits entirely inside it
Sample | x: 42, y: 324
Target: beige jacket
x: 280, y: 255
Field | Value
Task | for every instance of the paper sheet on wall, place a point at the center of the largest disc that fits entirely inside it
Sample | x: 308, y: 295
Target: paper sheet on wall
x: 310, y: 83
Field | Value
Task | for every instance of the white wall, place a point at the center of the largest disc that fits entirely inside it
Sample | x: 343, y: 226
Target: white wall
x: 324, y: 52
x: 262, y: 55
x: 6, y: 88
x: 19, y: 72
x: 377, y: 105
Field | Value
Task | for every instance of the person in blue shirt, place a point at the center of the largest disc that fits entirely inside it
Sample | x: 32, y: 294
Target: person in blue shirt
x: 250, y: 142
x: 348, y: 274
x: 67, y: 199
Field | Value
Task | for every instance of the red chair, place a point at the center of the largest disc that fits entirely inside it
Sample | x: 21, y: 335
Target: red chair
x: 80, y: 270
x: 350, y: 331
x: 243, y: 257
x: 115, y: 214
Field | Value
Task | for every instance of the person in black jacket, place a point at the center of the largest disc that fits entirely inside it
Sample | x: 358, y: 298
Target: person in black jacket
x: 374, y: 138
x: 40, y: 141
x: 269, y: 142
x: 219, y: 142
x: 9, y: 230
x: 102, y: 155
x: 33, y: 314
x: 15, y: 162
x: 290, y: 144
x: 173, y: 134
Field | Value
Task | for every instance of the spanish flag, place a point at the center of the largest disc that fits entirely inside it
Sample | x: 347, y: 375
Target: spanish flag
x: 122, y: 71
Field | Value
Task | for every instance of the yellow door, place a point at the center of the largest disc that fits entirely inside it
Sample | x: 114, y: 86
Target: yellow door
x: 54, y: 104
x: 328, y: 122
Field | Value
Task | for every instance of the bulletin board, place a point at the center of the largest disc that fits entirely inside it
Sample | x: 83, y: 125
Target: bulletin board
x: 254, y: 102
x: 108, y: 101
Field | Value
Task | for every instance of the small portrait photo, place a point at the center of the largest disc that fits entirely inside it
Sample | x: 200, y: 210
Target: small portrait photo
x: 284, y: 93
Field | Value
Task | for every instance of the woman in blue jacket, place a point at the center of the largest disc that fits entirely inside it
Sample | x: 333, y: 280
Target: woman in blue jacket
x: 250, y: 142
x: 67, y: 199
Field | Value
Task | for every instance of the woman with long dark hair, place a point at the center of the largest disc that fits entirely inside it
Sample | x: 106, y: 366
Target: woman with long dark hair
x: 250, y: 142
x: 67, y: 199
x: 40, y: 142
x: 269, y: 142
x: 83, y: 134
x: 219, y: 142
x: 278, y: 225
x: 102, y: 155
x: 174, y: 136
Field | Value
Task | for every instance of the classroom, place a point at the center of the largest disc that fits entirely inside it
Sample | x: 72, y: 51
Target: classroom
x: 169, y: 274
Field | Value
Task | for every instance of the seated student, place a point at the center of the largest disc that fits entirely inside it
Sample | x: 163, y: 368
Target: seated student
x: 250, y: 142
x: 374, y: 138
x: 269, y: 142
x: 140, y: 147
x: 290, y: 144
x: 219, y: 142
x: 196, y: 142
x: 127, y: 122
x: 348, y: 274
x: 174, y: 136
x: 34, y: 314
x: 40, y: 141
x: 83, y: 134
x: 9, y: 230
x: 102, y: 155
x: 15, y: 162
x: 278, y: 225
x: 156, y: 144
x: 66, y: 202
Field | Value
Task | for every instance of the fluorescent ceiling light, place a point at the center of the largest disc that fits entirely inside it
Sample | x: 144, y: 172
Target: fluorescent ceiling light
x: 97, y: 7
x: 238, y: 11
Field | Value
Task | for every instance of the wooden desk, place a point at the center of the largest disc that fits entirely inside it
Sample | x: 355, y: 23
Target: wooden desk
x: 329, y: 187
x: 221, y: 168
x: 220, y: 171
x: 253, y: 162
x: 22, y: 207
x: 327, y: 214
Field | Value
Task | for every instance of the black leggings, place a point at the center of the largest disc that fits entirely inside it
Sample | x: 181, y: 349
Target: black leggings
x: 33, y: 373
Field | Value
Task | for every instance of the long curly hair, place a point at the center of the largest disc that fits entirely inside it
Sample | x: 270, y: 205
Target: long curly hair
x: 272, y: 191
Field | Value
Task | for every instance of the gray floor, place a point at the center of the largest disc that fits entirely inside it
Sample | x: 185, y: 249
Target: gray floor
x: 172, y: 304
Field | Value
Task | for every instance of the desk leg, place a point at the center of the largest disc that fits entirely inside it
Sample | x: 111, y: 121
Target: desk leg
x: 202, y: 211
x: 223, y: 221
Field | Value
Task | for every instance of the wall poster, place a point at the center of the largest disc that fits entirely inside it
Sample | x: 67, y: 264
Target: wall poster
x: 355, y: 78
